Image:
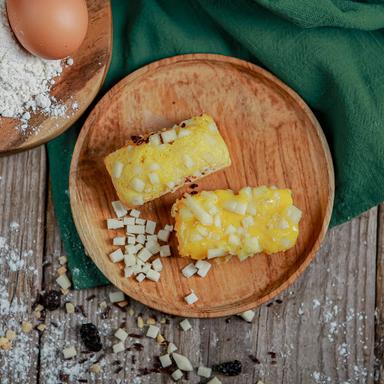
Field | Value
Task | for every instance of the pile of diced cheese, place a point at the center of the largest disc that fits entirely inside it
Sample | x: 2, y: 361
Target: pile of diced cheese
x: 141, y: 243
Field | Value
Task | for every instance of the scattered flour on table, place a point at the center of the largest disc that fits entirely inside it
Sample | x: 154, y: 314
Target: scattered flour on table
x: 26, y: 80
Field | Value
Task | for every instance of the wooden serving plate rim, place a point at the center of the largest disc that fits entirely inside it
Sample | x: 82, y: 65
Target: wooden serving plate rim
x: 83, y: 107
x: 310, y: 255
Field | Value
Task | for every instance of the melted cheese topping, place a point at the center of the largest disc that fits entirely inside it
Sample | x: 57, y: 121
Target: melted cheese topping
x: 144, y: 171
x: 220, y: 223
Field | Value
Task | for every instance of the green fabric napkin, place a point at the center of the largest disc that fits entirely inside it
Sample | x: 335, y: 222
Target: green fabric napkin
x: 330, y: 51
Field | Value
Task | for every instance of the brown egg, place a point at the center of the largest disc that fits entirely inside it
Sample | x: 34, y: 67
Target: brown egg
x: 52, y: 29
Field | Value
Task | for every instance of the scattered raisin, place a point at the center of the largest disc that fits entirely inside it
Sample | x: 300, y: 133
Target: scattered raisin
x: 51, y: 300
x: 229, y: 368
x: 254, y: 359
x: 279, y: 301
x: 90, y: 336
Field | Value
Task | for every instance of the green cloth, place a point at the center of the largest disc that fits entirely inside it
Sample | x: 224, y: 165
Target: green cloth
x: 330, y: 51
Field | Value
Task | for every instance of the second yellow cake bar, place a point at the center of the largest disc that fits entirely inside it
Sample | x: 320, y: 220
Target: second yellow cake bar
x: 148, y: 167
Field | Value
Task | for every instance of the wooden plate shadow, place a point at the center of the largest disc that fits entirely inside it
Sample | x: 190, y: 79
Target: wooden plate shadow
x: 273, y: 138
x: 79, y: 83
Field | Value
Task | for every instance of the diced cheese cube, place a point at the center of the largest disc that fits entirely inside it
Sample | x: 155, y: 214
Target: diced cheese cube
x: 153, y: 247
x: 140, y: 239
x: 165, y: 251
x: 168, y: 227
x: 145, y: 268
x: 119, y: 208
x: 121, y: 334
x: 215, y: 252
x: 153, y: 275
x: 114, y: 224
x: 118, y: 347
x: 203, y: 267
x: 247, y: 221
x: 188, y: 162
x: 248, y: 315
x: 168, y: 136
x: 189, y: 270
x: 185, y: 325
x: 182, y: 362
x: 165, y: 361
x: 135, y: 229
x: 204, y: 372
x: 153, y: 166
x: 150, y: 227
x: 157, y: 265
x: 116, y: 296
x: 137, y: 184
x: 119, y: 240
x: 116, y: 255
x: 144, y: 254
x: 171, y: 348
x: 129, y: 260
x: 154, y: 178
x: 64, y: 281
x: 191, y: 298
x: 138, y: 247
x: 152, y: 238
x: 215, y: 380
x: 136, y: 269
x: 140, y: 221
x: 140, y: 277
x: 177, y: 375
x: 184, y: 132
x: 152, y: 331
x: 134, y: 213
x: 154, y: 139
x: 294, y: 214
x: 69, y: 352
x: 130, y: 249
x: 117, y: 169
x: 204, y: 217
x: 131, y: 240
x: 129, y: 220
x: 128, y: 272
x: 163, y: 235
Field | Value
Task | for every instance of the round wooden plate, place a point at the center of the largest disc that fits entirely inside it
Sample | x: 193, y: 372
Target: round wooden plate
x: 79, y: 83
x: 273, y: 138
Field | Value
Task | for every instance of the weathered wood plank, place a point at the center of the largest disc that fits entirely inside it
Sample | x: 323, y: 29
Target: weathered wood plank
x: 379, y: 326
x: 22, y: 215
x: 322, y: 330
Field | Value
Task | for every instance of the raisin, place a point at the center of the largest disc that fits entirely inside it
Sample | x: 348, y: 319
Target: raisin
x: 229, y: 368
x: 90, y: 336
x: 51, y: 300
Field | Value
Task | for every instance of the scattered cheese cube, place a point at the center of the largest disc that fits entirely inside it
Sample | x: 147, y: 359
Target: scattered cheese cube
x: 135, y: 229
x: 63, y: 281
x: 247, y: 315
x: 157, y: 265
x: 119, y: 208
x: 145, y: 268
x: 114, y: 224
x: 69, y: 352
x: 95, y: 368
x: 118, y: 347
x: 152, y: 238
x: 177, y: 375
x: 121, y: 334
x: 168, y: 227
x: 69, y: 308
x: 129, y: 220
x: 138, y: 247
x: 185, y: 325
x: 144, y: 254
x: 171, y: 348
x: 168, y: 136
x: 152, y: 331
x: 153, y: 275
x: 119, y: 240
x: 140, y: 221
x: 182, y: 362
x: 116, y: 256
x: 153, y: 247
x: 140, y: 239
x: 203, y: 267
x: 116, y: 296
x: 163, y: 235
x: 140, y: 277
x: 204, y: 372
x: 165, y: 361
x: 165, y: 251
x: 135, y: 213
x: 63, y: 260
x: 150, y: 227
x: 131, y: 240
x: 128, y: 272
x: 215, y: 380
x: 191, y: 298
x: 129, y: 260
x: 189, y: 270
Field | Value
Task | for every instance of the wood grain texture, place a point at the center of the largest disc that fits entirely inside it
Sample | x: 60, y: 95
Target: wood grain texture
x: 79, y: 82
x: 273, y: 139
x: 22, y: 218
x: 379, y: 313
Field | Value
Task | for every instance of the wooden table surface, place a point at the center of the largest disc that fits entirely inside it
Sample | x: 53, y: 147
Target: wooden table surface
x: 326, y: 328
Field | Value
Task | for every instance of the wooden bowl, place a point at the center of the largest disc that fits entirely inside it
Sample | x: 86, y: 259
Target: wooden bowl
x: 78, y: 83
x: 273, y: 138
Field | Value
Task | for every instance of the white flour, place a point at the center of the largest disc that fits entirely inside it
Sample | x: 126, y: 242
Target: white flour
x: 25, y: 80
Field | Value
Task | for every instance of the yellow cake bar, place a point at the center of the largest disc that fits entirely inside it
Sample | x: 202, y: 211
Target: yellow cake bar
x: 220, y: 223
x: 150, y: 166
